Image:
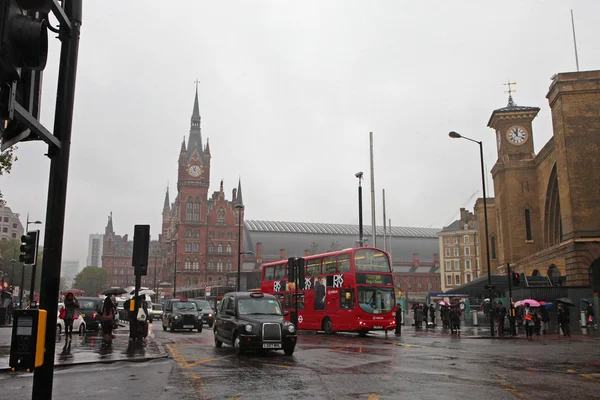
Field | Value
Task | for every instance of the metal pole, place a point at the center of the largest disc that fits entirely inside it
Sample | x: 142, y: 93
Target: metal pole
x: 509, y: 283
x: 12, y: 271
x: 57, y: 190
x: 384, y: 227
x: 574, y: 41
x: 487, y: 241
x: 390, y: 242
x: 175, y: 271
x: 21, y: 288
x: 239, y: 269
x: 373, y: 223
x: 154, y: 286
x: 360, y: 214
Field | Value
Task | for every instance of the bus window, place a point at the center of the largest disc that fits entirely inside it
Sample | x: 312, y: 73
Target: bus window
x: 371, y: 260
x: 280, y: 272
x: 329, y: 265
x: 343, y: 263
x: 313, y: 267
x: 346, y: 299
x: 269, y: 273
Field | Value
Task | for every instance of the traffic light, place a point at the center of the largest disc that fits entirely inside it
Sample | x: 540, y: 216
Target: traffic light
x: 300, y: 266
x: 141, y: 247
x: 29, y: 248
x: 23, y: 55
x: 291, y: 269
x: 516, y: 279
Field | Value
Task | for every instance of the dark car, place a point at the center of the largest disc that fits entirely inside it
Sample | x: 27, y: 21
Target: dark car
x: 253, y: 321
x: 181, y: 314
x: 90, y: 309
x: 208, y: 315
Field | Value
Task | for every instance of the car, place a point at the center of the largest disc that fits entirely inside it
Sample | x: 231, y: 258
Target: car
x: 78, y: 324
x: 181, y: 314
x: 157, y: 311
x: 253, y: 321
x: 208, y: 315
x: 90, y: 308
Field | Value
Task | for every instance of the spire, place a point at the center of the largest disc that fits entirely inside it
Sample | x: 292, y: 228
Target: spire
x: 196, y: 111
x: 195, y: 140
x: 239, y: 203
x: 207, y: 148
x: 167, y: 205
x: 109, y: 225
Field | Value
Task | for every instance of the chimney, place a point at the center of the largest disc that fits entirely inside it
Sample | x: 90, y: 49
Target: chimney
x: 306, y: 252
x: 259, y: 250
x: 233, y: 195
x: 436, y: 259
x: 282, y: 254
x: 464, y: 215
x: 416, y: 259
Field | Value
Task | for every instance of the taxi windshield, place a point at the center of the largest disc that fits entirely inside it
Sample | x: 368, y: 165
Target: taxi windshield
x: 259, y: 306
x: 184, y: 306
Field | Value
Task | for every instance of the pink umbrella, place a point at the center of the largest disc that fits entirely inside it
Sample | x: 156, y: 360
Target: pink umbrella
x: 532, y: 303
x: 443, y: 303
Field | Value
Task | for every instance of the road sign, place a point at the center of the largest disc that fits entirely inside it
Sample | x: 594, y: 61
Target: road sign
x: 207, y: 288
x: 207, y: 293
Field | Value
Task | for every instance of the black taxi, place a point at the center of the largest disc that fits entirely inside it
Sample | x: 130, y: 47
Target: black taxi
x: 253, y: 321
x: 181, y: 314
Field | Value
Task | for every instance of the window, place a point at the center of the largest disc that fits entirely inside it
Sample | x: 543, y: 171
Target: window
x: 468, y: 278
x: 187, y: 247
x: 457, y: 279
x: 221, y: 217
x: 343, y: 263
x: 329, y: 265
x: 189, y: 210
x: 229, y: 236
x: 467, y: 251
x: 14, y: 226
x: 211, y: 267
x: 211, y: 235
x: 5, y: 230
x: 466, y: 239
x: 456, y: 252
x: 280, y: 271
x: 211, y: 248
x: 457, y: 265
x: 196, y: 265
x: 409, y: 285
x: 346, y: 299
x: 5, y: 219
x: 188, y: 264
x: 188, y: 282
x: 467, y: 264
x: 228, y: 249
x: 196, y: 247
x: 219, y: 266
x: 420, y: 285
x: 196, y: 210
x: 195, y: 281
x: 430, y: 285
x: 448, y: 279
x: 456, y: 240
x: 448, y: 265
x: 528, y: 224
x: 493, y: 247
x: 313, y: 267
x: 447, y: 252
x: 229, y: 267
x: 447, y: 240
x: 221, y: 235
x: 14, y: 235
x: 220, y: 248
x: 269, y: 273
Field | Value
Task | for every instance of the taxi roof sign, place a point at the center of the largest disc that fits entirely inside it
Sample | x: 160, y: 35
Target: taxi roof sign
x: 257, y: 294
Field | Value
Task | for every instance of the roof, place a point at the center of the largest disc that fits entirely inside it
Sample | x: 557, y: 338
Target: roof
x: 458, y: 225
x: 250, y: 295
x: 511, y: 107
x: 336, y: 229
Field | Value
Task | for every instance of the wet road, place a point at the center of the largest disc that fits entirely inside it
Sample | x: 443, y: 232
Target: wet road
x: 416, y: 366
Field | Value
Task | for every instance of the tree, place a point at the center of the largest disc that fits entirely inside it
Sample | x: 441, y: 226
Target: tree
x: 7, y: 159
x: 92, y: 280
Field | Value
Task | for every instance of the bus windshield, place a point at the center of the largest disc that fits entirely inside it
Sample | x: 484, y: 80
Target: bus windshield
x: 371, y: 260
x: 376, y: 300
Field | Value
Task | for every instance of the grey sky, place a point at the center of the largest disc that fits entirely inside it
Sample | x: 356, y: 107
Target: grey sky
x: 288, y: 95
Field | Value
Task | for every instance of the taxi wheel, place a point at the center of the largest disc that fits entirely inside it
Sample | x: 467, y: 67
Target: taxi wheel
x: 218, y: 343
x: 200, y: 329
x: 237, y: 344
x: 288, y: 350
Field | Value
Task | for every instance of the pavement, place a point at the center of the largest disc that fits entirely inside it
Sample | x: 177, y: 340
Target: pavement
x: 91, y: 349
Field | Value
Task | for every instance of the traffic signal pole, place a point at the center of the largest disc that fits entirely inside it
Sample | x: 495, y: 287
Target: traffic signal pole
x: 510, y: 278
x: 57, y: 185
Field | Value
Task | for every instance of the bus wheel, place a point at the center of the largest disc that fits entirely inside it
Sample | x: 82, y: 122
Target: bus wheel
x: 327, y: 326
x: 363, y: 333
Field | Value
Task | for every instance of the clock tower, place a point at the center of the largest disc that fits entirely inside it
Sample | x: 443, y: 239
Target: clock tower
x: 515, y: 183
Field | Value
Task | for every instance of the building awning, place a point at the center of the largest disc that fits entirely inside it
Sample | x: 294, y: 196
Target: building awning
x: 476, y: 288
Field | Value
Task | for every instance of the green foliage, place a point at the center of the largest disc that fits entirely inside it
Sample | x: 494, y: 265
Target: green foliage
x: 9, y: 250
x: 7, y: 159
x: 92, y: 280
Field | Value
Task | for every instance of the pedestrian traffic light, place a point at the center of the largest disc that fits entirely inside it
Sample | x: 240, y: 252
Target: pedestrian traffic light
x: 291, y: 269
x: 300, y: 266
x: 23, y: 54
x: 516, y: 279
x: 29, y: 248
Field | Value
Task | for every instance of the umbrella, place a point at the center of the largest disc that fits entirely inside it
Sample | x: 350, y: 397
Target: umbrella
x: 566, y: 301
x: 532, y: 303
x: 147, y: 291
x: 487, y: 300
x: 443, y: 303
x: 546, y: 305
x: 114, y: 291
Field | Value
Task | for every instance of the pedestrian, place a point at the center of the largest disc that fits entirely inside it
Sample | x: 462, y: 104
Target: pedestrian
x: 419, y: 316
x: 455, y: 319
x: 537, y: 319
x: 426, y: 314
x: 107, y: 318
x: 529, y: 322
x: 589, y: 315
x: 564, y: 318
x: 432, y: 313
x: 445, y: 315
x: 71, y: 313
x: 545, y: 320
x: 500, y: 315
x: 512, y: 319
x: 399, y: 320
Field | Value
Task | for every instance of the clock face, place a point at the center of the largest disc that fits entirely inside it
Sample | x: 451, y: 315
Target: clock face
x: 195, y: 171
x: 499, y: 137
x: 517, y: 135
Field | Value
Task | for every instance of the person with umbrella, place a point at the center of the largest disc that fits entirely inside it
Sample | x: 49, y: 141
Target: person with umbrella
x: 589, y: 315
x: 529, y: 321
x: 564, y: 317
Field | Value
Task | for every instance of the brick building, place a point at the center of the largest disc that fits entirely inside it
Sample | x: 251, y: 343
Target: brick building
x: 199, y: 233
x: 459, y: 250
x: 545, y: 217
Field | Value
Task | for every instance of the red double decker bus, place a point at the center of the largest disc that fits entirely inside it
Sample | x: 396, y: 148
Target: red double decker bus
x: 348, y: 290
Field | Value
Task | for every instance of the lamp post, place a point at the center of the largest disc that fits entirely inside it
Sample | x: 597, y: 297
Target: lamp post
x: 175, y: 270
x: 359, y: 175
x: 455, y: 135
x: 240, y: 208
x: 33, y: 267
x: 12, y: 271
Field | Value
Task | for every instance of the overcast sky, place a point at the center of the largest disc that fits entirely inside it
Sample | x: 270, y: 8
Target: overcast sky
x: 288, y: 95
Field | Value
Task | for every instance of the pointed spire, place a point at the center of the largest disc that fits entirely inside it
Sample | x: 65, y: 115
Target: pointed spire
x: 109, y: 225
x: 207, y: 148
x: 511, y: 102
x: 183, y: 144
x: 239, y: 203
x: 195, y: 140
x: 167, y: 205
x: 196, y: 111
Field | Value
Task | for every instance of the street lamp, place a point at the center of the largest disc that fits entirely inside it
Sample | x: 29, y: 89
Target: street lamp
x: 240, y: 208
x: 30, y: 223
x: 455, y: 135
x: 359, y: 175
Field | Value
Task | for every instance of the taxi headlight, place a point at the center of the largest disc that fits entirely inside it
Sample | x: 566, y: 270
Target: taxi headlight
x: 209, y: 315
x: 249, y: 328
x: 175, y: 316
x: 291, y: 328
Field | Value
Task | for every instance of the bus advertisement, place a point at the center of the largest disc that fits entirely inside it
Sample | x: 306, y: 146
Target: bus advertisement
x: 349, y: 290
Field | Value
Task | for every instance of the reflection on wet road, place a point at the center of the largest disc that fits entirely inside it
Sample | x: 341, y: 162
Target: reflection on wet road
x: 409, y: 367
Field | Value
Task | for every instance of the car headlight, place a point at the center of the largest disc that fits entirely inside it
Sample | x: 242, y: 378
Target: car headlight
x: 249, y: 328
x: 175, y: 316
x: 209, y: 315
x: 291, y: 328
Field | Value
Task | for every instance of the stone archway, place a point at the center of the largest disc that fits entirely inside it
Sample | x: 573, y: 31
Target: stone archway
x: 552, y: 219
x: 536, y: 272
x: 594, y: 272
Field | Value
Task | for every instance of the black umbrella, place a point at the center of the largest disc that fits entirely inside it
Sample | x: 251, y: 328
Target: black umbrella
x: 566, y: 301
x: 114, y: 291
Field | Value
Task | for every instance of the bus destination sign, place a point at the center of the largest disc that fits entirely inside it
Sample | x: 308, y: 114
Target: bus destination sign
x: 374, y: 279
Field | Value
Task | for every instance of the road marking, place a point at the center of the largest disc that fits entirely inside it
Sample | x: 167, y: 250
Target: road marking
x: 202, y: 361
x: 236, y: 397
x: 590, y: 377
x: 418, y: 346
x: 374, y: 396
x: 506, y: 386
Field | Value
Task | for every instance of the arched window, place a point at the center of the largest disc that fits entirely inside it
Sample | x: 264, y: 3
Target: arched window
x: 196, y: 234
x: 189, y: 210
x: 187, y: 247
x: 430, y: 285
x: 420, y: 285
x: 221, y: 217
x: 409, y: 285
x: 229, y: 267
x: 211, y: 235
x: 229, y: 235
x: 209, y: 280
x: 195, y: 280
x: 219, y: 280
x: 187, y: 282
x: 220, y: 248
x: 196, y: 216
x: 211, y: 248
x: 228, y: 249
x: 535, y: 273
x: 195, y: 265
x: 122, y: 271
x: 188, y: 264
x: 220, y: 235
x: 220, y: 265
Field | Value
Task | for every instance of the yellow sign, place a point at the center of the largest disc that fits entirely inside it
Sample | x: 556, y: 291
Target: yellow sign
x: 41, y: 338
x: 399, y: 293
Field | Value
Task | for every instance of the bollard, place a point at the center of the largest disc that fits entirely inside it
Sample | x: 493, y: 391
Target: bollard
x: 475, y: 323
x: 583, y: 320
